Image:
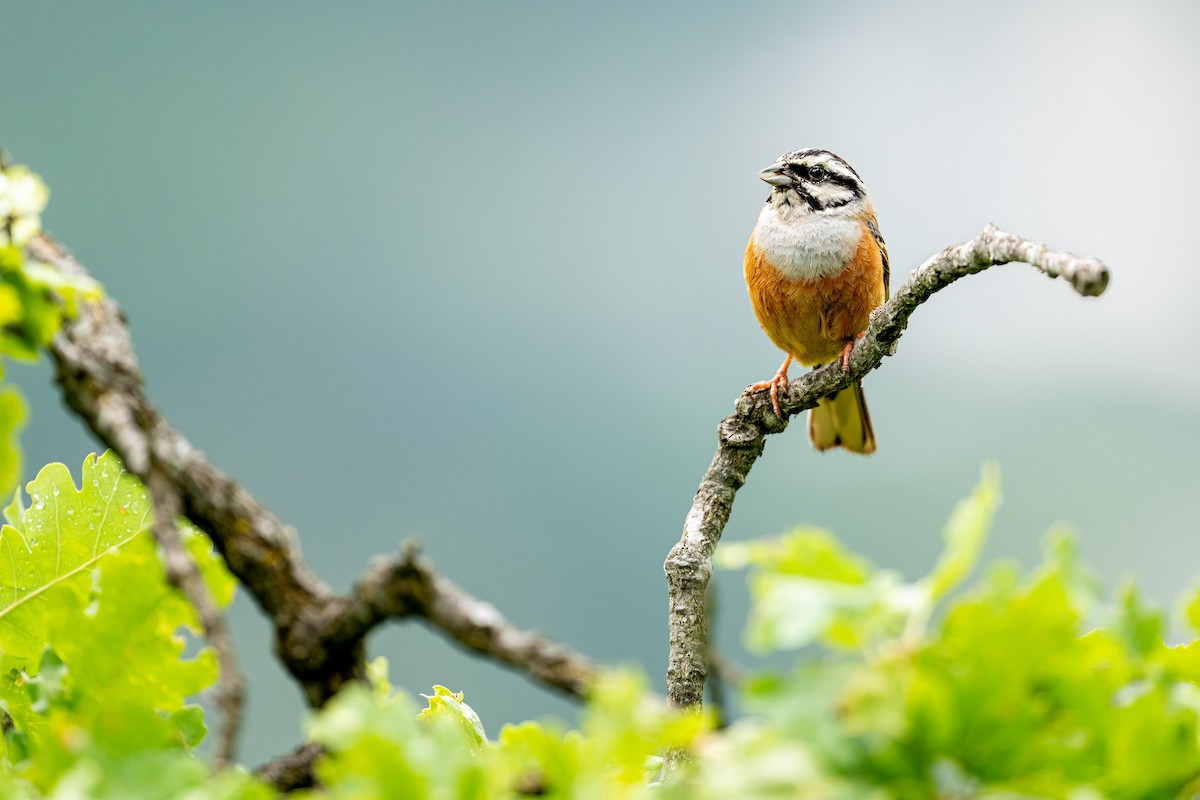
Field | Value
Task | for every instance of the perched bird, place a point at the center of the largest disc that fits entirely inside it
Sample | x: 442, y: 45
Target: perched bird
x: 816, y: 266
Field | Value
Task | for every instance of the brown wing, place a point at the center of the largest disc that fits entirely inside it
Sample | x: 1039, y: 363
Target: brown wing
x: 873, y: 227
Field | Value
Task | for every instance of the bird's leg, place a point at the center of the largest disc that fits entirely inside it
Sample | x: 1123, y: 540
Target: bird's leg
x: 844, y: 358
x: 774, y: 384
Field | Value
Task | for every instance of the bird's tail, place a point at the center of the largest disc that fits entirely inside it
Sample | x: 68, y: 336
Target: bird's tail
x: 842, y: 421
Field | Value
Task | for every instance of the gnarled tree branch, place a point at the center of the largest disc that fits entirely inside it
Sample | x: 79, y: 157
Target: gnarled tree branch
x: 742, y: 435
x: 406, y: 585
x: 319, y: 635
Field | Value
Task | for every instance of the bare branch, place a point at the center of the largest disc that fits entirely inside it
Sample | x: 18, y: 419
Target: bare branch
x: 405, y: 585
x: 184, y: 575
x: 318, y: 634
x: 395, y: 587
x: 742, y: 435
x: 101, y: 382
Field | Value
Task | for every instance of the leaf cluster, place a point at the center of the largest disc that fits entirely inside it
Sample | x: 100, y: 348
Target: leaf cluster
x: 1021, y: 685
x: 379, y: 746
x: 34, y: 299
x: 94, y: 675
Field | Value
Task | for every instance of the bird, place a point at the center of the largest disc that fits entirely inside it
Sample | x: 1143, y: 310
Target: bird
x: 816, y: 266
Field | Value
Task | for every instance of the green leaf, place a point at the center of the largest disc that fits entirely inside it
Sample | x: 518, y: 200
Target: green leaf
x: 965, y: 534
x: 71, y: 289
x: 123, y: 644
x: 448, y: 707
x: 378, y: 747
x: 34, y: 296
x: 14, y: 512
x: 11, y: 259
x: 807, y: 587
x: 1137, y: 627
x: 1190, y: 606
x: 537, y: 758
x: 41, y: 317
x: 221, y: 584
x: 623, y: 726
x: 14, y: 788
x: 377, y: 676
x: 808, y: 552
x: 375, y: 745
x: 11, y: 309
x: 790, y: 612
x: 154, y: 775
x: 1152, y: 745
x: 12, y: 419
x: 64, y: 532
x: 1061, y: 554
x: 189, y: 721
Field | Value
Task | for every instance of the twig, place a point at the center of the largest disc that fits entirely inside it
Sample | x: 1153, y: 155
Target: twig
x: 183, y: 573
x: 742, y: 435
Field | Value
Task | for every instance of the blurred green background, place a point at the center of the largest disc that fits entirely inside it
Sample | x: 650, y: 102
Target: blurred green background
x: 472, y: 272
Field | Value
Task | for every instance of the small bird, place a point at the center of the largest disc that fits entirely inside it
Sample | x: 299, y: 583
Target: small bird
x: 816, y: 266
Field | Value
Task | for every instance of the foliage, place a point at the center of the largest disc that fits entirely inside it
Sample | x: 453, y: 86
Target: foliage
x: 1004, y: 692
x: 378, y: 747
x: 899, y: 689
x: 1009, y: 694
x: 95, y: 684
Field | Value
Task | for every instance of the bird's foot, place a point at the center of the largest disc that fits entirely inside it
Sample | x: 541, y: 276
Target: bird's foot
x: 844, y: 358
x: 780, y: 379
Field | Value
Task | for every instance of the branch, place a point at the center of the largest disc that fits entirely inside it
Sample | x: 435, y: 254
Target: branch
x: 100, y: 381
x: 184, y: 575
x: 319, y: 635
x: 293, y: 770
x: 406, y: 585
x: 742, y: 435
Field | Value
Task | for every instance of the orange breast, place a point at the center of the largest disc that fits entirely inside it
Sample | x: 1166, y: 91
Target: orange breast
x: 812, y: 320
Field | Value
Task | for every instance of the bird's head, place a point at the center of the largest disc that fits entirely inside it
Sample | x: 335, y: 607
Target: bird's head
x: 813, y: 181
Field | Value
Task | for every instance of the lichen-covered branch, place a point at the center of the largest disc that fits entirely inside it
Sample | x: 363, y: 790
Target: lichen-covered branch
x: 405, y: 585
x: 742, y: 435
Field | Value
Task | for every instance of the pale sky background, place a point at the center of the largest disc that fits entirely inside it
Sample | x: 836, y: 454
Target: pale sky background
x: 472, y: 272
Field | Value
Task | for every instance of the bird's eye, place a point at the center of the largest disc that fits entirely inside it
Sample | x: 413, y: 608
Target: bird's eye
x: 816, y: 173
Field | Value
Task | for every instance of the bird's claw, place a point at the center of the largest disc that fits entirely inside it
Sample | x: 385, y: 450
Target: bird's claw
x: 773, y: 385
x: 844, y: 357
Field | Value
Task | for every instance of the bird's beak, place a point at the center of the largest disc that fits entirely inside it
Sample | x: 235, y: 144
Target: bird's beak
x: 775, y: 176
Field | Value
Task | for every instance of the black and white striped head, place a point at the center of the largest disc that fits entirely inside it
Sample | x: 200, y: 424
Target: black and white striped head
x: 816, y: 181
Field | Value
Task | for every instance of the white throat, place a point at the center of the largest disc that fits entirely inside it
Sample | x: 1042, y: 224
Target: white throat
x: 803, y: 245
